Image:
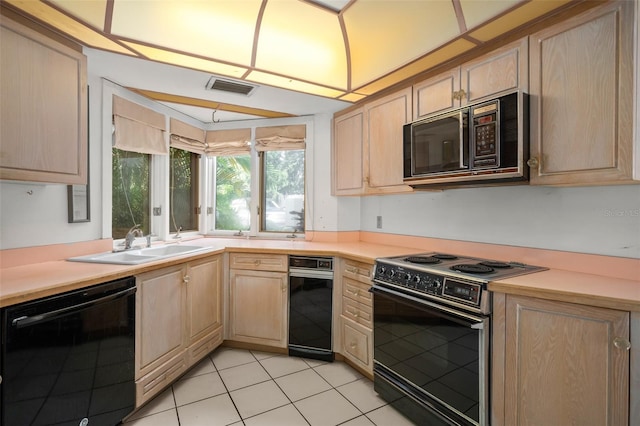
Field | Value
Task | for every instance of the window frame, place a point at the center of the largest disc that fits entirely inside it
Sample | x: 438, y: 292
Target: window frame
x: 160, y: 166
x: 256, y: 205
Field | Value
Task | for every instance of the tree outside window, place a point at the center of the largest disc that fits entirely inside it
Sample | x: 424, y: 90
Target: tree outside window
x: 131, y: 192
x: 283, y: 191
x: 232, y: 193
x: 183, y: 191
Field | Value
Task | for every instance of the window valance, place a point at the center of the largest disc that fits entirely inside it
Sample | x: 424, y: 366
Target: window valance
x: 281, y: 137
x: 138, y: 129
x: 187, y: 137
x: 228, y: 142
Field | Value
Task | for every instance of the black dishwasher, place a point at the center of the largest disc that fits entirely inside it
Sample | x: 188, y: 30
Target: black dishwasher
x: 310, y: 301
x: 69, y: 358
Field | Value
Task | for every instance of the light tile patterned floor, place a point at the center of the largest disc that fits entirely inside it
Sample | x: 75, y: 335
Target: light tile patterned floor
x: 239, y: 387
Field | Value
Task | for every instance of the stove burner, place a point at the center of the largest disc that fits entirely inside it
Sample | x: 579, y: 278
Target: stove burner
x: 472, y: 268
x: 495, y: 264
x: 443, y: 256
x: 425, y: 260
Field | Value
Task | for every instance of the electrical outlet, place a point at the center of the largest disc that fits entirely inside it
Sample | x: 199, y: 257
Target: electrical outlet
x: 379, y: 222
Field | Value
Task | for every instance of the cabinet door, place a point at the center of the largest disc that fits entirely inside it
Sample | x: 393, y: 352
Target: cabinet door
x: 258, y: 307
x: 43, y: 108
x: 160, y: 313
x: 502, y: 70
x: 582, y: 98
x: 436, y: 94
x: 204, y: 297
x: 348, y: 155
x: 565, y: 364
x: 384, y: 120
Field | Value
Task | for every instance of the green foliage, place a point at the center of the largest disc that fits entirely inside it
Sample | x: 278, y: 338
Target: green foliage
x: 233, y: 182
x: 183, y: 190
x: 130, y: 193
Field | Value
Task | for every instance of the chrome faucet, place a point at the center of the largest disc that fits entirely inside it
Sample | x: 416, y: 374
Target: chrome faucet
x: 134, y: 232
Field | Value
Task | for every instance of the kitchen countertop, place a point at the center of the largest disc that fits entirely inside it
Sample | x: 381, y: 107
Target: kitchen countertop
x: 28, y: 282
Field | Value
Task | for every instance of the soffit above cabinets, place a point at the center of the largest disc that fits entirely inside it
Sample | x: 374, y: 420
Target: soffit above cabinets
x: 337, y: 49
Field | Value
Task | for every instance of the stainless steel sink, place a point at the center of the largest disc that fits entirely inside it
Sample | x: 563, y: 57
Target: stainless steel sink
x: 138, y: 256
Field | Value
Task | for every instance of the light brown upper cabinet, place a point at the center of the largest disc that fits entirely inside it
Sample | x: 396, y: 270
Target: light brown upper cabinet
x: 581, y: 100
x: 367, y: 146
x: 43, y: 108
x: 502, y: 70
x: 348, y: 144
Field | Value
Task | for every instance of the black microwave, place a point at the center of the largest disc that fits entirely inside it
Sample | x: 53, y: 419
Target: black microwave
x: 486, y: 142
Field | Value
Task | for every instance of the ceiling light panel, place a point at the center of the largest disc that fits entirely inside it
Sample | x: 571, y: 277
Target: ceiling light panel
x: 478, y: 11
x: 519, y: 16
x: 67, y: 25
x: 187, y: 61
x: 93, y: 12
x: 216, y: 29
x: 303, y: 41
x: 291, y: 84
x: 386, y: 34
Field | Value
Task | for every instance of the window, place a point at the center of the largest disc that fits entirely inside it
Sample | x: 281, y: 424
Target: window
x: 274, y: 169
x: 282, y: 191
x: 131, y: 193
x: 183, y: 190
x: 232, y: 193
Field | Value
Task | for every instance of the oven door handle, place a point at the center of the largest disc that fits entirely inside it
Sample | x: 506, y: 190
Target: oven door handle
x: 310, y: 273
x: 474, y: 322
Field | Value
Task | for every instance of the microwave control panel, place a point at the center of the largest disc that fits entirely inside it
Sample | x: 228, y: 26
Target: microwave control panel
x: 485, y: 133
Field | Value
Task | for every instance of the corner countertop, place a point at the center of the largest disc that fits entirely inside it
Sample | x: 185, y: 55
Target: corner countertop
x: 28, y: 282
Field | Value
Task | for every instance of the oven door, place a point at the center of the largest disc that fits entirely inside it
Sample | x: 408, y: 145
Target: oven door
x: 434, y: 356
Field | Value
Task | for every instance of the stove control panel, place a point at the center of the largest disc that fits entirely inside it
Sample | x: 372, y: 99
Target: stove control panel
x: 429, y: 283
x: 416, y: 280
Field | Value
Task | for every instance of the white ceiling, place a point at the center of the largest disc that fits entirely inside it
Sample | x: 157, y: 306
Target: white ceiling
x: 137, y: 73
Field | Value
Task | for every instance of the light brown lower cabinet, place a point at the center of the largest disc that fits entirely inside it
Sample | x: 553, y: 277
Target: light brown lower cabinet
x: 258, y: 293
x: 557, y: 363
x: 356, y: 319
x: 178, y: 322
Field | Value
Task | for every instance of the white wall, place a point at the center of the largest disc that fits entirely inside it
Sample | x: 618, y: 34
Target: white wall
x: 599, y: 220
x: 40, y: 218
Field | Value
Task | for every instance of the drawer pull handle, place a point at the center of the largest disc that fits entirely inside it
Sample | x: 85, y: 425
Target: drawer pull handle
x: 186, y: 279
x: 352, y: 311
x: 622, y: 343
x: 352, y: 345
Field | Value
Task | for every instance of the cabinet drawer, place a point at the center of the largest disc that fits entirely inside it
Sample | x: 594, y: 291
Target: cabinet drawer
x: 259, y: 262
x: 151, y: 384
x: 202, y: 347
x: 356, y: 291
x: 357, y: 343
x: 358, y: 271
x: 358, y: 312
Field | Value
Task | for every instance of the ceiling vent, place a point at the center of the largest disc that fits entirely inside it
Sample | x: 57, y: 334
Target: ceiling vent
x: 228, y: 86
